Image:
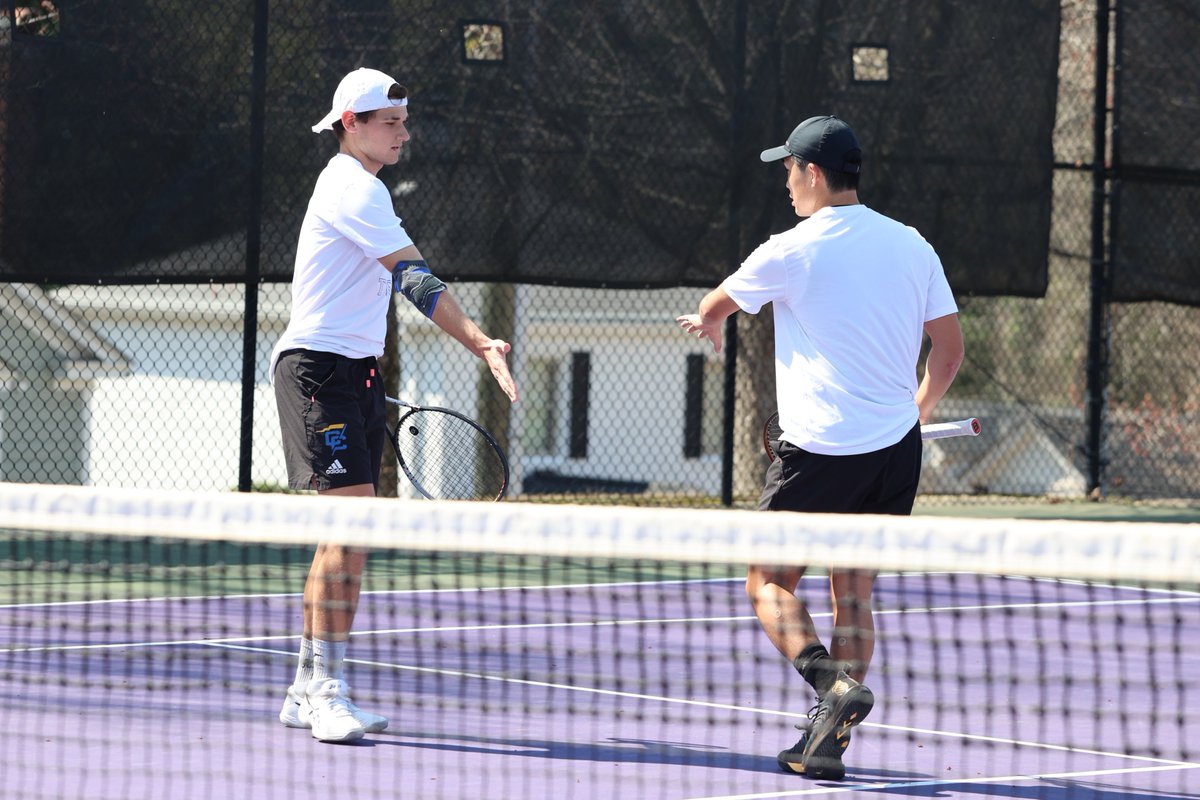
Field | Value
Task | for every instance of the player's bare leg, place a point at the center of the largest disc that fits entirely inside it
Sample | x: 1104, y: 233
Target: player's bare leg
x: 842, y: 702
x: 331, y: 593
x: 853, y: 642
x: 784, y: 618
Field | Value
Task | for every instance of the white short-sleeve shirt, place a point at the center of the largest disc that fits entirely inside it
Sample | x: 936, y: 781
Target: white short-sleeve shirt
x: 340, y: 291
x: 851, y: 291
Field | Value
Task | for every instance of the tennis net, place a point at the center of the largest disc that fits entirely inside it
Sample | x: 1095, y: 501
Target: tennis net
x: 146, y: 642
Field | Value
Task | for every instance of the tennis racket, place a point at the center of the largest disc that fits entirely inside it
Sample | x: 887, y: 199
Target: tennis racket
x: 447, y: 456
x: 934, y: 430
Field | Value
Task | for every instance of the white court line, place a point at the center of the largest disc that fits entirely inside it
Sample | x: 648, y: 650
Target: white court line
x: 453, y: 673
x: 600, y: 623
x: 585, y: 624
x: 233, y: 644
x: 380, y: 632
x: 373, y: 592
x: 1181, y: 593
x: 902, y: 786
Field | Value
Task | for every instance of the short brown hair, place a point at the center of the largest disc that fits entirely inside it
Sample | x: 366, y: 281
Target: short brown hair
x: 396, y: 92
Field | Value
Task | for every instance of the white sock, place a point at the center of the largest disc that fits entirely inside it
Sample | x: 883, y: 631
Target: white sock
x: 304, y: 664
x: 327, y: 659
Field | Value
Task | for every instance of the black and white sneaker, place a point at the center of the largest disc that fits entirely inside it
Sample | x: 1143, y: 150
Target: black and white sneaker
x: 818, y: 754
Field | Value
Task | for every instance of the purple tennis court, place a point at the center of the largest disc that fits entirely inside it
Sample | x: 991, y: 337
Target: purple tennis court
x: 986, y: 686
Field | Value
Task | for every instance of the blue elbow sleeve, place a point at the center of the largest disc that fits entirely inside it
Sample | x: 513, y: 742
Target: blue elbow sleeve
x: 418, y: 285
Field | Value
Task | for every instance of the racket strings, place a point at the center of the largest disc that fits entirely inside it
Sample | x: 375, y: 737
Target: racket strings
x: 448, y: 457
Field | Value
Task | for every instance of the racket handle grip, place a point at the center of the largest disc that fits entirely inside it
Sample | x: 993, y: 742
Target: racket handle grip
x: 943, y: 430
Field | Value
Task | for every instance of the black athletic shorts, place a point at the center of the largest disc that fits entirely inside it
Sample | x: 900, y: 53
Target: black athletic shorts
x: 331, y: 414
x: 880, y: 482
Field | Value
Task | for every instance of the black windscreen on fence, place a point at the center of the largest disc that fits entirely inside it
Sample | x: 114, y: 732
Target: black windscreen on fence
x: 613, y: 145
x: 955, y: 106
x: 156, y: 160
x: 126, y: 155
x: 1157, y: 253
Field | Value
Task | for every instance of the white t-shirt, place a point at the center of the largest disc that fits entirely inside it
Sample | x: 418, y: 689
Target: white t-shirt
x: 851, y: 291
x: 340, y: 291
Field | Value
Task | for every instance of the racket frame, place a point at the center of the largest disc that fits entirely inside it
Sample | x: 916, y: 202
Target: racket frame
x: 408, y: 409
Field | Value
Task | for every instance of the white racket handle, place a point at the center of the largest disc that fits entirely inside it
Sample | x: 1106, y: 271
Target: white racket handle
x: 943, y: 430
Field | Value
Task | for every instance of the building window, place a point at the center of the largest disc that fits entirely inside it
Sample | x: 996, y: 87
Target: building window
x: 712, y: 431
x: 703, y: 419
x: 581, y: 368
x: 539, y: 386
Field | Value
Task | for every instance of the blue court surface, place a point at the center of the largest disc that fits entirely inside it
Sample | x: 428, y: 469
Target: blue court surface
x: 987, y: 687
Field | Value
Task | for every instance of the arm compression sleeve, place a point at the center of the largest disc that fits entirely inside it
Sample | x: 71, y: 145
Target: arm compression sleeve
x: 414, y: 280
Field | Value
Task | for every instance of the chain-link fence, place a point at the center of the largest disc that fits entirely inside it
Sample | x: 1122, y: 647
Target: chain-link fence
x: 566, y: 237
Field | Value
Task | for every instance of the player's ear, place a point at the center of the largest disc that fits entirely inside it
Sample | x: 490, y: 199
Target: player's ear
x: 349, y: 120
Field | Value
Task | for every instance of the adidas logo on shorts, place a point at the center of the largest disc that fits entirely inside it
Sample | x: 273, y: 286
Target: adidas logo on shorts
x: 336, y: 468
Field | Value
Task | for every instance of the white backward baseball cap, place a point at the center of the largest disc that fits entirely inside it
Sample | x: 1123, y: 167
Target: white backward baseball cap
x: 362, y: 90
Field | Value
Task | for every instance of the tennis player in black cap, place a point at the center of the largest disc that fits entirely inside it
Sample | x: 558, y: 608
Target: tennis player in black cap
x: 852, y: 292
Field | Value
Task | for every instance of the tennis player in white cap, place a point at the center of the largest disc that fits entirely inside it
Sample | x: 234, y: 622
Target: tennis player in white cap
x: 353, y: 252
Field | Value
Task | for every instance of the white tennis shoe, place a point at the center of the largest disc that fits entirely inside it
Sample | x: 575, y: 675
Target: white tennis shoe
x: 294, y: 713
x: 293, y: 703
x: 327, y: 702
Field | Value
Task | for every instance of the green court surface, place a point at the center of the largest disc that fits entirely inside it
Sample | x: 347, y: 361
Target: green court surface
x: 52, y: 568
x: 1034, y: 508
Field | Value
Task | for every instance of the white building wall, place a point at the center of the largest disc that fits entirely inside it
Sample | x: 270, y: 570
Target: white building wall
x: 174, y: 421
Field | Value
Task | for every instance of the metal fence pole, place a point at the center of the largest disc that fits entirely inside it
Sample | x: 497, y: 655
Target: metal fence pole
x: 258, y: 82
x: 1097, y: 347
x: 737, y: 91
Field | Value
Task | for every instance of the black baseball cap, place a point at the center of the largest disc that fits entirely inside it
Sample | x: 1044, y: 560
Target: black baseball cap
x: 825, y: 141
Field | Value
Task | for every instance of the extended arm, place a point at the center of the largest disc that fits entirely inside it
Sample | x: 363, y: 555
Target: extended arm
x: 449, y: 316
x: 433, y: 299
x: 715, y: 308
x: 945, y: 357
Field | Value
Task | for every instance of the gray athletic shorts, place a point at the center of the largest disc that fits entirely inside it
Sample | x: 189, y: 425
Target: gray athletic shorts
x: 331, y: 415
x: 880, y: 482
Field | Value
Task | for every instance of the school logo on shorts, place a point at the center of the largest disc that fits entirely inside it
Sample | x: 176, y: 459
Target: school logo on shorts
x: 336, y: 468
x: 335, y: 437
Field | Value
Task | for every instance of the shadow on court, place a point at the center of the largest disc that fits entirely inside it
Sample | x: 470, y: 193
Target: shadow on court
x: 1048, y: 790
x: 633, y: 751
x: 683, y: 754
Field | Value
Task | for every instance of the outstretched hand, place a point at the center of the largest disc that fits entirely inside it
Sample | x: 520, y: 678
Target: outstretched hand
x: 448, y: 315
x: 495, y: 354
x: 693, y: 324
